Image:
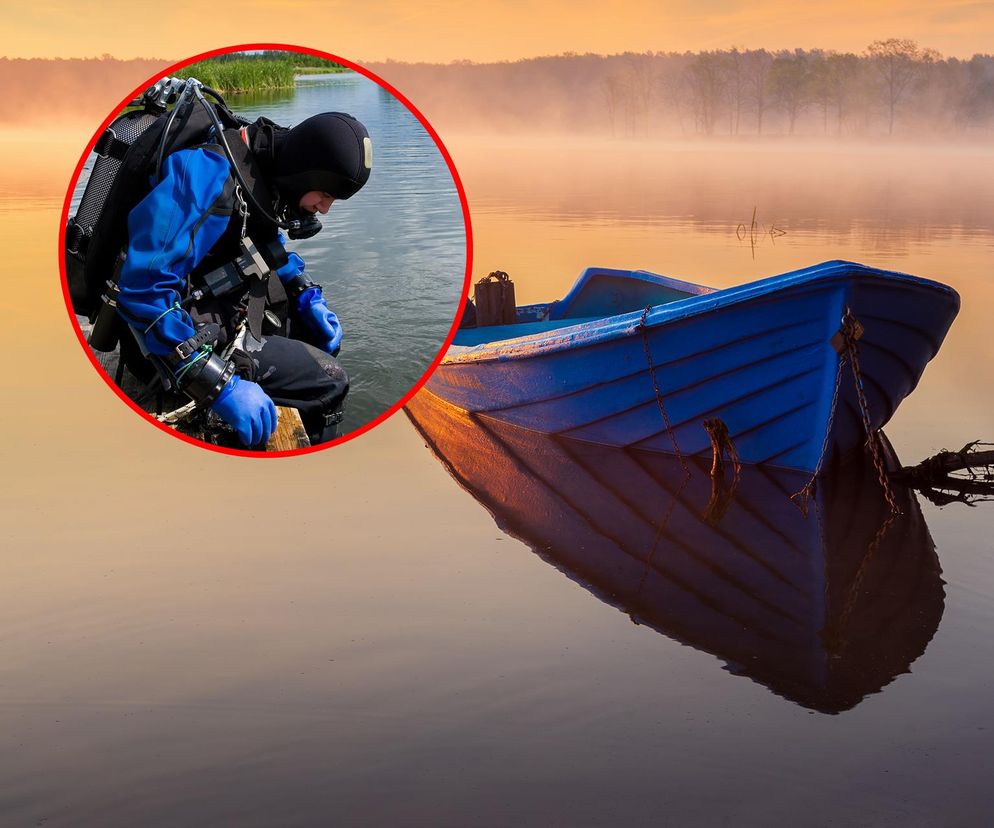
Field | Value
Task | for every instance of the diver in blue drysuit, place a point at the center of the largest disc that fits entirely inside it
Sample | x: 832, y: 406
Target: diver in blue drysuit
x: 190, y: 224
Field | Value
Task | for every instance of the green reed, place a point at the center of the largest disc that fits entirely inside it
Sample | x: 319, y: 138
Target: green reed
x: 248, y: 73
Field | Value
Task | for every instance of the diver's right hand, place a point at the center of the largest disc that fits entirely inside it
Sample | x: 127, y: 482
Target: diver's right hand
x: 246, y: 408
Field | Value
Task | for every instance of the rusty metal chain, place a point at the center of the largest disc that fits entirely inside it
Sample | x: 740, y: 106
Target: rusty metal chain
x: 807, y: 491
x: 849, y: 328
x: 834, y: 638
x: 850, y: 332
x: 660, y: 530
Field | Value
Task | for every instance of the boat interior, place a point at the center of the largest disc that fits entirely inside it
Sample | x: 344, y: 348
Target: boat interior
x: 599, y: 293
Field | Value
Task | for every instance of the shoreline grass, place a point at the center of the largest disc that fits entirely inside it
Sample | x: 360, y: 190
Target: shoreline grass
x: 253, y: 73
x: 321, y: 70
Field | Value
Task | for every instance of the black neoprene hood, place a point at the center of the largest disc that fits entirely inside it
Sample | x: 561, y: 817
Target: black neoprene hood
x: 330, y: 153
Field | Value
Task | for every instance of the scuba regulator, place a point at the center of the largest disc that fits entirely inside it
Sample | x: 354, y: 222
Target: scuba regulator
x: 303, y: 228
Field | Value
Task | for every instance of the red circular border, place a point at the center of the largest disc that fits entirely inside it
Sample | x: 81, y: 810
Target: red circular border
x: 462, y: 200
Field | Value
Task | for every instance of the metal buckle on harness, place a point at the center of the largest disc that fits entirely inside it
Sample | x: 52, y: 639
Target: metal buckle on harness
x: 75, y: 238
x: 207, y: 335
x: 105, y: 142
x: 242, y: 210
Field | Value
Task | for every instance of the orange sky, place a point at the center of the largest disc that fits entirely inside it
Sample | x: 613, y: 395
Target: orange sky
x: 435, y: 30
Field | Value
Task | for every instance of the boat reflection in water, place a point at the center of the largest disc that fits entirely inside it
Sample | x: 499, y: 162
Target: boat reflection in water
x: 823, y: 608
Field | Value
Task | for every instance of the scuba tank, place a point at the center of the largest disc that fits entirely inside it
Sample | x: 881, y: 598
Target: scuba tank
x: 129, y: 155
x: 111, y: 149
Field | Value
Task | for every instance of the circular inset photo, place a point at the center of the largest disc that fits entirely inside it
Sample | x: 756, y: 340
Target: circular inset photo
x: 265, y: 251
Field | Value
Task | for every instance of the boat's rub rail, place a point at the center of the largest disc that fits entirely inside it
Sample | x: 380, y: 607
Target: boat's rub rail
x: 602, y: 330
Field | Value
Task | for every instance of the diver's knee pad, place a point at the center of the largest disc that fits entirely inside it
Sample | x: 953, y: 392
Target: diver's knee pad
x: 322, y: 406
x: 331, y: 403
x: 301, y: 376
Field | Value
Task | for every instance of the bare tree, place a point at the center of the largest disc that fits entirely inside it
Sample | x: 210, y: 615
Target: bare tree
x: 900, y: 64
x: 832, y: 80
x: 708, y: 79
x: 790, y: 81
x: 973, y: 91
x: 736, y: 68
x: 614, y: 94
x: 756, y: 72
x: 842, y: 72
x: 674, y: 89
x: 642, y: 83
x: 821, y: 85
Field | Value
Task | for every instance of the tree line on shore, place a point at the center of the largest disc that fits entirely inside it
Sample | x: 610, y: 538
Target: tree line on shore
x: 895, y: 87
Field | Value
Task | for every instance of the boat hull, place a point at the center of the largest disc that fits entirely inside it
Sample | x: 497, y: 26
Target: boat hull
x: 823, y: 607
x: 759, y: 357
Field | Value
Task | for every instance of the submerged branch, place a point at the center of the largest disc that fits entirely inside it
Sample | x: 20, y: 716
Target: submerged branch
x: 964, y: 476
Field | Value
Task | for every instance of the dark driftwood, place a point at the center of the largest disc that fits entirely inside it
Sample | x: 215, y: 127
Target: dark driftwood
x: 963, y: 476
x: 979, y: 464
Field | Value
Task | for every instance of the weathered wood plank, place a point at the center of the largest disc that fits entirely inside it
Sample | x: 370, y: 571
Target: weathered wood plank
x: 290, y: 433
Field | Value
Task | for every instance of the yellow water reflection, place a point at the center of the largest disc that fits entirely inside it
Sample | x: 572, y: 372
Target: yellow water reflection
x: 176, y: 622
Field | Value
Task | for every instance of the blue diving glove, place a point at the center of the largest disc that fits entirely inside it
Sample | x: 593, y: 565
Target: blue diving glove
x: 246, y: 408
x: 322, y: 325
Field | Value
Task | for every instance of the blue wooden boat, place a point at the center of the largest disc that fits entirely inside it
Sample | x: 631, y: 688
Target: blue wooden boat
x: 823, y: 608
x: 626, y: 351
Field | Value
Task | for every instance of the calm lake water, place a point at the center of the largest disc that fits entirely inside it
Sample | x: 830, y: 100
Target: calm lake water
x: 392, y: 259
x: 561, y: 637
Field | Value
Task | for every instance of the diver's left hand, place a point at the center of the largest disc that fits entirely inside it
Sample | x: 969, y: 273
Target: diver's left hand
x: 321, y: 323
